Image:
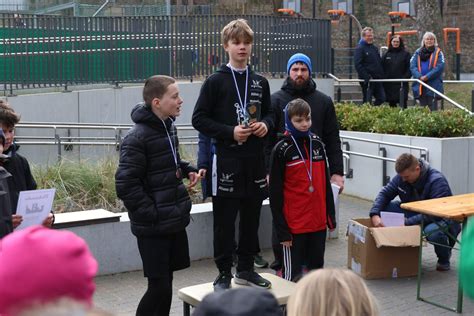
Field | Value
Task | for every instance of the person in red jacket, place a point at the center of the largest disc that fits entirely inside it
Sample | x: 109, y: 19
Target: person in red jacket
x: 300, y: 193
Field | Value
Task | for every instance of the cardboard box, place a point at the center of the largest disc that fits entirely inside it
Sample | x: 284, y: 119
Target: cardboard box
x: 384, y: 252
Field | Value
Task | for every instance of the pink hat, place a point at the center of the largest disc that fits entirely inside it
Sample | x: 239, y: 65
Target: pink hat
x: 41, y: 265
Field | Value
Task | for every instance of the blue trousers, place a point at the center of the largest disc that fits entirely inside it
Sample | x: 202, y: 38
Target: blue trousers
x: 434, y: 233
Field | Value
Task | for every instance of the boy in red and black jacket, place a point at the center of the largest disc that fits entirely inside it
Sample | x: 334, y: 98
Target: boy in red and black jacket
x: 300, y: 193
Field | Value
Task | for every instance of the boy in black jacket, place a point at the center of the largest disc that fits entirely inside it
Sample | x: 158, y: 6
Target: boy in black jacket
x: 149, y: 181
x: 234, y: 109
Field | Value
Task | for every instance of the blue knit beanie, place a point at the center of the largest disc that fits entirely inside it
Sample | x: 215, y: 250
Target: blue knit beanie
x: 299, y: 58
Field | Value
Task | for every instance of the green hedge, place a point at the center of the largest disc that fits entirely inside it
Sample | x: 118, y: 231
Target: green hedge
x: 415, y: 121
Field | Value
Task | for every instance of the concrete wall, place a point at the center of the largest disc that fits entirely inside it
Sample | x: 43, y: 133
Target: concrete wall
x: 452, y: 156
x: 99, y: 106
x: 116, y: 250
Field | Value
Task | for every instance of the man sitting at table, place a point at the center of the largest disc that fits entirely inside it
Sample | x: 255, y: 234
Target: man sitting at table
x: 417, y: 181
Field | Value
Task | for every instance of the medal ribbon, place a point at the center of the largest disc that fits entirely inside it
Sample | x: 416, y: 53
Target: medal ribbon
x: 173, y: 148
x: 242, y: 104
x: 310, y: 171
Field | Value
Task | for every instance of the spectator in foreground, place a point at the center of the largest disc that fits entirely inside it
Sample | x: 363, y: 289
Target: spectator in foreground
x: 239, y: 302
x: 40, y: 267
x: 331, y: 292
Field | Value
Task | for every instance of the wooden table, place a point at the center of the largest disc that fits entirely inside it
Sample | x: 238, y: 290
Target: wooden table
x: 458, y: 208
x: 193, y: 295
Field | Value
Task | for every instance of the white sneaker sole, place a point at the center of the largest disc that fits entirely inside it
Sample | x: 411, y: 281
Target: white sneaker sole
x: 245, y: 282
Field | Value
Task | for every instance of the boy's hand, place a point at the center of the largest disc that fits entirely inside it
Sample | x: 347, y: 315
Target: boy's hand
x: 193, y: 179
x: 339, y: 181
x: 259, y: 129
x: 48, y: 222
x: 16, y: 220
x: 377, y: 221
x: 202, y: 173
x: 241, y: 133
x: 288, y: 243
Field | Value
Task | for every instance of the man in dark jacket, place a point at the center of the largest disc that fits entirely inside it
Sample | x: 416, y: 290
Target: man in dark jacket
x: 368, y: 64
x: 299, y: 84
x: 6, y: 226
x: 417, y: 181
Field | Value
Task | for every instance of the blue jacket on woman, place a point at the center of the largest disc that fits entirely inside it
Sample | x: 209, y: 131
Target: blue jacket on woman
x: 432, y: 68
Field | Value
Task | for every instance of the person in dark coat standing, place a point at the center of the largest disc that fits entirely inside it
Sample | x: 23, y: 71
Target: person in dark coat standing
x: 396, y: 65
x: 368, y: 64
x: 149, y: 181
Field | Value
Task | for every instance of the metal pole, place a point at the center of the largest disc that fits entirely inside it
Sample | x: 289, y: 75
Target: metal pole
x: 314, y: 9
x: 402, y: 96
x: 458, y: 66
x: 350, y: 48
x: 393, y: 30
x: 385, y: 178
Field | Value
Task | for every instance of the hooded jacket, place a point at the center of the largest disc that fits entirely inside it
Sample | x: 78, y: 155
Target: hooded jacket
x: 396, y: 65
x: 217, y: 110
x: 430, y: 185
x: 323, y: 117
x: 156, y: 199
x: 295, y: 209
x: 21, y: 178
x: 367, y: 61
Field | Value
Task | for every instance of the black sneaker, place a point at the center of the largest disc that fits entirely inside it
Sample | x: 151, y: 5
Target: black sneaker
x: 222, y: 281
x: 252, y: 278
x: 259, y: 262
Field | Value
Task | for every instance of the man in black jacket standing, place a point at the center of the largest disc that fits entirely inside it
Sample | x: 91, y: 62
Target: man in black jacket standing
x: 299, y: 84
x: 368, y: 64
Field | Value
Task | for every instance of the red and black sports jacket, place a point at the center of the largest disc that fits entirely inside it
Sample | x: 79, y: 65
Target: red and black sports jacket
x: 295, y: 209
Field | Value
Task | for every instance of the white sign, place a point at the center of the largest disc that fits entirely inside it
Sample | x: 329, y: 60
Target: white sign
x: 391, y: 219
x: 34, y: 206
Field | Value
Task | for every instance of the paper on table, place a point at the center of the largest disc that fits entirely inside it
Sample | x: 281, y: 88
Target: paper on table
x: 335, y: 194
x: 34, y: 206
x: 391, y: 219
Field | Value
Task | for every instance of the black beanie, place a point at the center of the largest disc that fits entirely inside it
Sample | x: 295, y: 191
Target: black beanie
x: 239, y: 302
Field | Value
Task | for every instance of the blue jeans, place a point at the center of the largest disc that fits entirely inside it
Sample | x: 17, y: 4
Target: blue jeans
x: 433, y: 233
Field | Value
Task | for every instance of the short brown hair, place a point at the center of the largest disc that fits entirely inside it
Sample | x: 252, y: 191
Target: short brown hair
x: 155, y: 87
x: 8, y: 117
x: 298, y: 107
x: 237, y: 30
x: 404, y: 162
x: 366, y: 29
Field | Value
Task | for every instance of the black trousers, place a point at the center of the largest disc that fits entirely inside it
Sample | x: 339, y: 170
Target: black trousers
x: 225, y: 212
x: 375, y: 89
x: 429, y: 101
x: 307, y: 248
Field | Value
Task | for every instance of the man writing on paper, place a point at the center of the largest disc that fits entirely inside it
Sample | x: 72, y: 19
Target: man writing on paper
x: 417, y: 181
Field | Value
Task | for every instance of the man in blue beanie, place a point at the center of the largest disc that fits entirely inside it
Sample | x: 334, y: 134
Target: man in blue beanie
x: 299, y: 84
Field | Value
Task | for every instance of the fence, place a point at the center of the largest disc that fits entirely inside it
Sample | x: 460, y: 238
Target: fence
x: 42, y: 51
x: 343, y: 63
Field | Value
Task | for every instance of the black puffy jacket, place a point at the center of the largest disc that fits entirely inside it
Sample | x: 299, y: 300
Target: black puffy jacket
x: 323, y: 117
x: 156, y: 200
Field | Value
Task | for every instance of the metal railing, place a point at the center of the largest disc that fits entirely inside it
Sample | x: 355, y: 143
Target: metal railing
x: 436, y: 92
x: 423, y: 153
x: 44, y: 51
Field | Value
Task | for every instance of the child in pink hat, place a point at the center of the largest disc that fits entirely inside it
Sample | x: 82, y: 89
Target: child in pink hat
x: 40, y: 266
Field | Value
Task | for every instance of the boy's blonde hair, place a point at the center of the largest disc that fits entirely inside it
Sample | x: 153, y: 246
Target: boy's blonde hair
x: 332, y: 292
x: 237, y: 30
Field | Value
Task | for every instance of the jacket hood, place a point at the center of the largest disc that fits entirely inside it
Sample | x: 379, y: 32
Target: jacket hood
x: 225, y: 69
x: 142, y: 114
x: 290, y: 87
x: 420, y: 183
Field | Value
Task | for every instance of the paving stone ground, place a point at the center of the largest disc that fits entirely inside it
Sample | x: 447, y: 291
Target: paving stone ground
x: 120, y: 293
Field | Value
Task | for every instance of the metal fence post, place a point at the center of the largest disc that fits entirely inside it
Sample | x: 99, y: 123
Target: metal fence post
x: 385, y: 177
x: 58, y: 141
x: 350, y: 171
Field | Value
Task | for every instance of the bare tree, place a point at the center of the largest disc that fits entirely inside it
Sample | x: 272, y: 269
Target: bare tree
x: 429, y: 19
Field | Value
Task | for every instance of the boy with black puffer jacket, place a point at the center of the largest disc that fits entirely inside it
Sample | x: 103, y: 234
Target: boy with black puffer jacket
x: 301, y: 197
x: 149, y: 180
x: 234, y: 110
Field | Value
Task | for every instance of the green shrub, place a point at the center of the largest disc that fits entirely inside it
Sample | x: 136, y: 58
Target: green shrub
x: 415, y: 121
x: 80, y: 185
